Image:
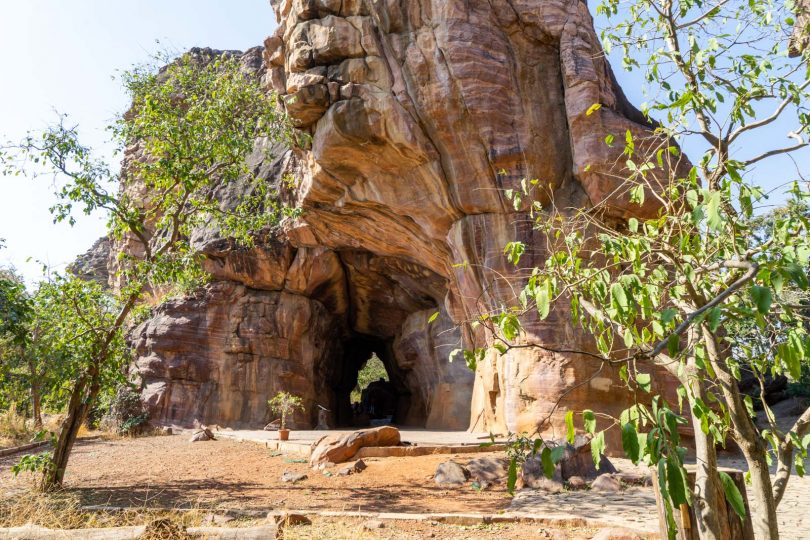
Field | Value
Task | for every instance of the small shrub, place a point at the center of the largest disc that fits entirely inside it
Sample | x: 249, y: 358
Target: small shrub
x: 15, y: 429
x: 126, y: 415
x: 285, y: 404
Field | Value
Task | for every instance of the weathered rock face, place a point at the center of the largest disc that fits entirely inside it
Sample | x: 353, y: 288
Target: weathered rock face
x: 421, y: 114
x: 92, y: 265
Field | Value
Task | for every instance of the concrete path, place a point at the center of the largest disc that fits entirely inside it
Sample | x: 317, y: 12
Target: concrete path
x: 417, y: 441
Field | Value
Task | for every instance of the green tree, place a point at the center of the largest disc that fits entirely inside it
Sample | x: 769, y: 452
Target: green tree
x: 191, y: 125
x: 670, y: 290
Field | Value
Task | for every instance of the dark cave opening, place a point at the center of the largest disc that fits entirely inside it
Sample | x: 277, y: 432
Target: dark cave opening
x: 382, y: 401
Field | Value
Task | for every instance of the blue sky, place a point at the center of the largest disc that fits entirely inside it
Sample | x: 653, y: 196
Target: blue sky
x: 60, y: 55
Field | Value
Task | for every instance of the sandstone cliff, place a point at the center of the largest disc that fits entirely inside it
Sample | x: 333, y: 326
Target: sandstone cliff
x: 421, y: 113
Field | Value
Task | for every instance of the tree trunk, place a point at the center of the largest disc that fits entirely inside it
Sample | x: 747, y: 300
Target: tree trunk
x: 748, y: 438
x: 730, y: 525
x: 708, y: 510
x: 36, y: 398
x: 81, y: 400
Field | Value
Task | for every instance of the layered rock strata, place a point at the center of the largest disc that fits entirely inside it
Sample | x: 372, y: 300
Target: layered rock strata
x: 422, y: 115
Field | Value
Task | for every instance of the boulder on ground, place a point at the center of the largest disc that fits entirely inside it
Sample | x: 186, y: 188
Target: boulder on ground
x: 283, y: 519
x: 606, y: 483
x: 372, y: 524
x: 204, y: 434
x: 275, y: 425
x: 291, y: 476
x: 356, y: 467
x: 576, y: 482
x: 488, y: 470
x: 534, y: 477
x: 451, y: 473
x: 342, y: 448
x: 579, y: 462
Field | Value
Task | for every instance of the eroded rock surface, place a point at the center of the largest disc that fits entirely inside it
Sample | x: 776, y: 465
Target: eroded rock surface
x: 422, y: 113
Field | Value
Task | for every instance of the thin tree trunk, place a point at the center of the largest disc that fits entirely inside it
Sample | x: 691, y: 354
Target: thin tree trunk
x: 81, y: 400
x: 766, y: 526
x: 36, y: 396
x: 707, y: 507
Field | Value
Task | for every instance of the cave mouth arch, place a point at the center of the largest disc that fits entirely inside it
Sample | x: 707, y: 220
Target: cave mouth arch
x: 391, y: 399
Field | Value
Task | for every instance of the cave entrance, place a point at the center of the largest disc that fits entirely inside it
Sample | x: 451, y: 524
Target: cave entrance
x: 380, y: 396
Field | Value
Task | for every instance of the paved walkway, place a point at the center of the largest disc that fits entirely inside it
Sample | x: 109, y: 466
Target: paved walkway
x: 300, y: 442
x: 635, y: 507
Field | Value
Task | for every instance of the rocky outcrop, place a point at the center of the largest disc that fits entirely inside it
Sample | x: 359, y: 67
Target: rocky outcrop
x: 92, y: 264
x: 422, y: 114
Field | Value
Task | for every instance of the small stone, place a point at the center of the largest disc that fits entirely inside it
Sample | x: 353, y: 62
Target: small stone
x: 165, y: 430
x: 203, y: 435
x: 216, y: 519
x: 451, y: 473
x: 283, y: 519
x: 606, y: 483
x: 372, y: 524
x: 577, y: 482
x: 617, y: 534
x: 356, y: 467
x: 290, y: 476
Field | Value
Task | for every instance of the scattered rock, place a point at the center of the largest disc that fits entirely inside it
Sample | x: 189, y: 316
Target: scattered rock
x: 373, y: 524
x: 606, y: 483
x: 576, y: 482
x: 165, y: 430
x: 356, y: 467
x: 634, y: 478
x: 579, y: 462
x: 203, y: 435
x: 617, y: 534
x: 341, y: 448
x: 533, y: 476
x: 283, y: 519
x: 451, y: 473
x: 290, y: 476
x: 216, y: 519
x: 163, y: 529
x: 488, y: 470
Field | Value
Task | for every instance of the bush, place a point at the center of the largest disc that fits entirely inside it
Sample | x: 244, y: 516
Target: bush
x: 126, y: 415
x: 15, y: 429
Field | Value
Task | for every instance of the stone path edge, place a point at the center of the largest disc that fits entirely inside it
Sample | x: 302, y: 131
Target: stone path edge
x: 466, y: 519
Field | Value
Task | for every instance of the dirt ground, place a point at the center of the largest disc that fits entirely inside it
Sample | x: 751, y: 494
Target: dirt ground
x: 171, y: 471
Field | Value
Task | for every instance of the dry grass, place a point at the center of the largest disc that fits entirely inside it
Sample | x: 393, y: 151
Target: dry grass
x: 63, y: 511
x: 15, y: 429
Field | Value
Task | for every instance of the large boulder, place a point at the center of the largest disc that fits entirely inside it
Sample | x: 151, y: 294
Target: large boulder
x: 341, y: 448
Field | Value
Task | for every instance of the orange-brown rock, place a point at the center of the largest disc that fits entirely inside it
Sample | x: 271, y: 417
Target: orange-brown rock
x: 342, y: 448
x: 422, y: 114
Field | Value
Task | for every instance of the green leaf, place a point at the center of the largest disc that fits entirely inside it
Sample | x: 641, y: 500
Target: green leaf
x: 644, y: 381
x: 714, y: 318
x: 713, y: 212
x: 598, y: 448
x: 733, y: 495
x: 570, y: 433
x: 511, y: 476
x: 433, y: 317
x: 762, y: 298
x: 676, y: 482
x: 630, y: 442
x: 619, y: 297
x: 548, y: 464
x: 589, y: 420
x: 593, y: 108
x: 543, y: 299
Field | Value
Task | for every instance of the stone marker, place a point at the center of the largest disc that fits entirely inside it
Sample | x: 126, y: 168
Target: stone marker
x: 606, y: 483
